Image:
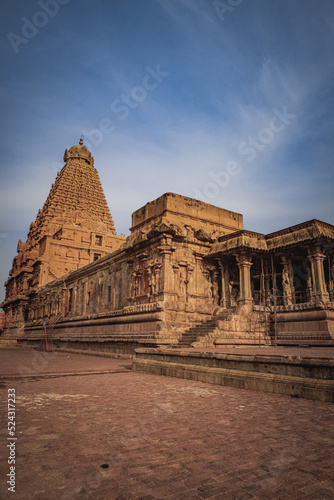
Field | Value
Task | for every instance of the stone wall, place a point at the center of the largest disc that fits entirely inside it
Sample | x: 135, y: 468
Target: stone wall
x: 156, y: 285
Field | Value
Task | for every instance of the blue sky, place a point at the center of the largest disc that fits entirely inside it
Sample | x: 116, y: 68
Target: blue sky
x: 227, y: 101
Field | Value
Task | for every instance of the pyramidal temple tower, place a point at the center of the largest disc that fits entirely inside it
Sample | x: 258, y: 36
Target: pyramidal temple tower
x: 74, y: 228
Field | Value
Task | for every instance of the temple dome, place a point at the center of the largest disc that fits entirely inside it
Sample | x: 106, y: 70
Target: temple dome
x: 79, y: 152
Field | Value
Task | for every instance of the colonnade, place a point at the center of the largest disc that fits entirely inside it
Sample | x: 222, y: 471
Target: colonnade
x: 317, y: 289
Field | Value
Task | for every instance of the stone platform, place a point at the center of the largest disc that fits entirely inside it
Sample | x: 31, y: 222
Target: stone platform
x: 299, y: 372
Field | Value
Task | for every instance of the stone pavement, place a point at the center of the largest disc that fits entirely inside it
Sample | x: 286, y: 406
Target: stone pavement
x: 27, y: 362
x: 162, y: 438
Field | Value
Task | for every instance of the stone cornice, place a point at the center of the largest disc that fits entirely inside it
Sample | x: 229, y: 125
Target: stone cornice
x: 239, y: 240
x: 306, y: 233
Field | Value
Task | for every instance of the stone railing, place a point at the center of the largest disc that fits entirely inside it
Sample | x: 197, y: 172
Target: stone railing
x: 304, y: 306
x: 127, y: 310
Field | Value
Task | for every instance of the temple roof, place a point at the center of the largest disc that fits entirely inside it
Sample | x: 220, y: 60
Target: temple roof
x: 301, y: 234
x: 79, y: 152
x: 239, y: 240
x: 76, y: 197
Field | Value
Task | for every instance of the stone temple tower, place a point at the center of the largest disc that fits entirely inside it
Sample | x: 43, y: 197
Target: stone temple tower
x: 74, y: 228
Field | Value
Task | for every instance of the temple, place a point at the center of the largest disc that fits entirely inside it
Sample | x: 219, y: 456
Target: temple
x: 189, y: 274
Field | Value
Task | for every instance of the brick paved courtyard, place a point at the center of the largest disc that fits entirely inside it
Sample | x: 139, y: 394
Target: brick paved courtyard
x: 163, y: 438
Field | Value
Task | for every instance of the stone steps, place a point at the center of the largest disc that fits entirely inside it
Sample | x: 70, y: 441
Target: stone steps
x: 222, y: 327
x: 192, y: 334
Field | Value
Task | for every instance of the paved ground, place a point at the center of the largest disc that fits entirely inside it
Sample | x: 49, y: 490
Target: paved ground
x: 26, y: 362
x: 163, y: 438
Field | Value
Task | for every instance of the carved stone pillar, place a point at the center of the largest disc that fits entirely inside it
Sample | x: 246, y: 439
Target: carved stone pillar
x: 267, y: 287
x: 215, y: 289
x: 52, y: 304
x: 190, y: 279
x: 144, y: 276
x: 157, y: 271
x: 75, y: 299
x: 48, y: 305
x: 177, y: 276
x: 331, y: 282
x: 287, y: 281
x: 149, y: 282
x: 84, y: 297
x: 20, y: 313
x: 223, y: 299
x: 64, y: 300
x: 137, y: 282
x: 245, y: 292
x: 198, y: 279
x: 131, y: 295
x: 319, y: 289
x: 167, y: 278
x: 167, y: 273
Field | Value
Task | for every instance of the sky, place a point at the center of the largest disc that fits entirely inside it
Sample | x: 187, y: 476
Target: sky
x: 230, y: 102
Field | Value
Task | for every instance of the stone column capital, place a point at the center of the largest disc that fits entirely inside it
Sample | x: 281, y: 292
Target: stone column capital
x: 316, y: 253
x: 244, y: 260
x: 286, y: 260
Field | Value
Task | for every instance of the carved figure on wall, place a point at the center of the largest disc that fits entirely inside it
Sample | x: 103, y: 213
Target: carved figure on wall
x: 157, y: 278
x: 286, y: 287
x: 308, y: 284
x: 215, y: 289
x: 234, y: 291
x: 209, y: 286
x: 182, y: 286
x: 133, y: 285
x: 151, y: 283
x: 136, y: 286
